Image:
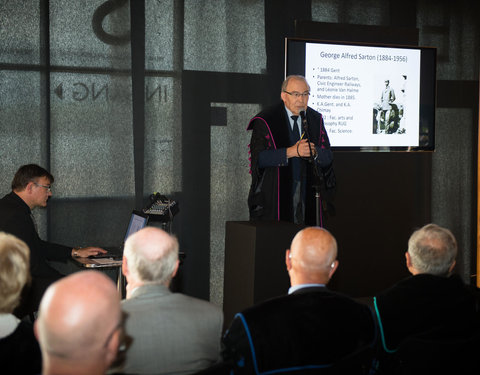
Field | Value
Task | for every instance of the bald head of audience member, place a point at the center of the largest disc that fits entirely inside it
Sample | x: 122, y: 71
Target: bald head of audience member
x: 79, y: 323
x: 14, y: 271
x: 150, y: 257
x: 431, y: 249
x: 312, y: 257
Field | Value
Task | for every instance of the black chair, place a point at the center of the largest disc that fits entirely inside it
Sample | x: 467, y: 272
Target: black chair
x: 422, y: 355
x: 221, y: 368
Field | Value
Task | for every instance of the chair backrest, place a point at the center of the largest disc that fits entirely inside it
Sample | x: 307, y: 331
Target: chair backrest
x: 421, y: 355
x: 221, y: 368
x: 261, y: 355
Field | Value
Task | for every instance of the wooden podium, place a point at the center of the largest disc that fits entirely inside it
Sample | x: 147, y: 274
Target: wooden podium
x: 255, y: 267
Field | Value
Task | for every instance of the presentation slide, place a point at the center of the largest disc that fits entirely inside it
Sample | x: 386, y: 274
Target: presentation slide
x: 368, y: 96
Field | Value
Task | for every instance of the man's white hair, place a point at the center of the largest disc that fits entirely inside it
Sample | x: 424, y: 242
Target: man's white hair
x: 432, y: 249
x: 293, y: 76
x: 152, y: 255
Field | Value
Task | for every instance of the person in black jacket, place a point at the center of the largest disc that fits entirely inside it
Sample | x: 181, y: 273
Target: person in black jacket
x: 289, y: 145
x: 433, y: 309
x: 31, y: 188
x: 309, y: 330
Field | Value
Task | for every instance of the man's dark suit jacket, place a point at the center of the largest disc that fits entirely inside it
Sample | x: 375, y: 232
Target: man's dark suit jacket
x: 310, y: 329
x: 16, y: 219
x: 426, y: 304
x: 429, y: 324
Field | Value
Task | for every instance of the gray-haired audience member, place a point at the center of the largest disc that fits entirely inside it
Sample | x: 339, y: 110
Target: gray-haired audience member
x: 172, y: 333
x: 79, y: 325
x: 432, y: 304
x: 431, y: 249
x: 19, y: 350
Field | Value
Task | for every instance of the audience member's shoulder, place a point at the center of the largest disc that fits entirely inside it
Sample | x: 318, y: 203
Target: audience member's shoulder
x: 321, y: 299
x: 334, y: 295
x: 422, y: 285
x: 197, y: 302
x: 349, y: 303
x: 193, y: 302
x: 271, y: 304
x: 20, y: 351
x: 408, y: 284
x: 428, y: 281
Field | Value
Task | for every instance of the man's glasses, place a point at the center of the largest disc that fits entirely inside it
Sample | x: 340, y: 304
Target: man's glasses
x: 49, y: 188
x: 297, y: 95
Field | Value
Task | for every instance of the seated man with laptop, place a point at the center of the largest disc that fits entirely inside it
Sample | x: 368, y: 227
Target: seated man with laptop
x: 31, y: 189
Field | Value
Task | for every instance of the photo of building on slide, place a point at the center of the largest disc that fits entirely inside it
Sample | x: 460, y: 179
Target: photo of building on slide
x: 389, y: 111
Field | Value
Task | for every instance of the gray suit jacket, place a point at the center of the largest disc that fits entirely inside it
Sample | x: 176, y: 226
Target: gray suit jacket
x: 172, y: 333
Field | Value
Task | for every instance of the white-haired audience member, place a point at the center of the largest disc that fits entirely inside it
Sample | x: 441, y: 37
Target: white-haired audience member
x: 19, y: 350
x: 431, y: 306
x: 172, y: 333
x: 79, y: 325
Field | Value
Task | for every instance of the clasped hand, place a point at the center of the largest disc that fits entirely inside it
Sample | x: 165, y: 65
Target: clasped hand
x: 301, y: 149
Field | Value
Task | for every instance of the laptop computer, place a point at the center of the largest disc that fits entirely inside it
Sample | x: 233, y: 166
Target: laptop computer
x: 138, y: 220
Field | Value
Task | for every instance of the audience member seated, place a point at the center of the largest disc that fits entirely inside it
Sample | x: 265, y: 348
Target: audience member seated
x: 79, y: 325
x: 429, y: 321
x: 171, y: 333
x: 312, y: 329
x: 19, y: 350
